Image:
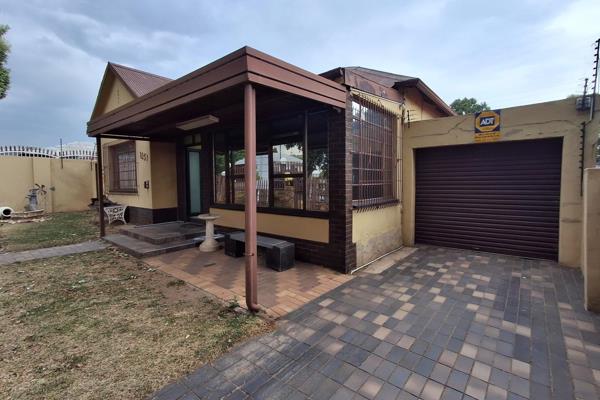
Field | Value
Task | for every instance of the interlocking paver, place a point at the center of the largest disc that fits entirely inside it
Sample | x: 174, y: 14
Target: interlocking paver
x: 441, y: 324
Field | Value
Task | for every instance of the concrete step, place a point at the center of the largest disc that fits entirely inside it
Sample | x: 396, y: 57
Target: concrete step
x: 140, y: 248
x: 163, y: 233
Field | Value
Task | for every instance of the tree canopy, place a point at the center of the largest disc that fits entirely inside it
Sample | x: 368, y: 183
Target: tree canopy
x: 4, y: 72
x: 468, y: 106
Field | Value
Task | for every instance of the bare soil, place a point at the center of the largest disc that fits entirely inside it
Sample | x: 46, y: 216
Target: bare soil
x: 104, y: 325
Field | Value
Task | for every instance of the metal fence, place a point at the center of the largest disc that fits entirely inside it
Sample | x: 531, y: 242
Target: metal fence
x: 41, y: 152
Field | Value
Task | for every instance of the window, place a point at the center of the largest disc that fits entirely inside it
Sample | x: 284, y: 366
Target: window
x: 123, y: 177
x: 317, y: 163
x: 373, y: 154
x: 288, y: 176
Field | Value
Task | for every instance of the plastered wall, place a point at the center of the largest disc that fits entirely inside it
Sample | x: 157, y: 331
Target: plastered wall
x: 70, y: 186
x: 113, y: 95
x: 155, y: 162
x: 536, y: 121
x: 377, y: 231
x: 314, y: 229
x: 418, y: 108
x: 163, y: 175
x: 591, y: 239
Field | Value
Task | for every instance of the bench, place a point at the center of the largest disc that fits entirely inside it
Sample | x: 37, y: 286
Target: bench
x: 280, y: 254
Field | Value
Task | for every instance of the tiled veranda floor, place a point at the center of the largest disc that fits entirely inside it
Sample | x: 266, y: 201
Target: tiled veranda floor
x: 223, y: 276
x: 441, y: 324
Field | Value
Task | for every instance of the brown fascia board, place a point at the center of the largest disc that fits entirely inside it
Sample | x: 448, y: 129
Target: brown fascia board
x: 430, y: 94
x: 238, y: 67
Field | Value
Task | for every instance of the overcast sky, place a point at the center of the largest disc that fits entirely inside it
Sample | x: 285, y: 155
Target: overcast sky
x: 504, y: 52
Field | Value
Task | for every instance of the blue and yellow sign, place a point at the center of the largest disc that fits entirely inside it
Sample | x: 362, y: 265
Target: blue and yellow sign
x: 487, y: 126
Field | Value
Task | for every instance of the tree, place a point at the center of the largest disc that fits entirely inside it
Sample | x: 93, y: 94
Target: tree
x: 468, y: 106
x: 4, y: 72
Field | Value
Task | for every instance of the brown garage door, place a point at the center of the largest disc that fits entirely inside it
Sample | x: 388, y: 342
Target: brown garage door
x: 500, y: 197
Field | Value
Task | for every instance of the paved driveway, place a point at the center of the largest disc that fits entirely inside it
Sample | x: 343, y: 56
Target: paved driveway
x: 442, y: 324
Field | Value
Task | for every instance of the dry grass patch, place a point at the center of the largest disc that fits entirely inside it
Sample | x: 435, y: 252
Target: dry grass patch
x: 105, y: 326
x: 57, y: 229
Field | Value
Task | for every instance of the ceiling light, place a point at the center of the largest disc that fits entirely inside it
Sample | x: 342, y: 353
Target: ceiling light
x: 204, y: 120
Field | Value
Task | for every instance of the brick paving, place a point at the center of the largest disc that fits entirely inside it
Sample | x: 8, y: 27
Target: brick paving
x: 441, y: 324
x: 224, y: 277
x: 28, y: 255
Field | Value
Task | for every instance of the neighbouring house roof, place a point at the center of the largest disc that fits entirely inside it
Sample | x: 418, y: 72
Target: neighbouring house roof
x: 139, y: 82
x: 375, y: 81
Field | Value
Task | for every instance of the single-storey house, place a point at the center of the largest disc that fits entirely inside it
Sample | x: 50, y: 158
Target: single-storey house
x: 327, y: 149
x: 351, y: 164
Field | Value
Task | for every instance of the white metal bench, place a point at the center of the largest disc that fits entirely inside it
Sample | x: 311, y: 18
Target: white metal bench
x: 115, y: 213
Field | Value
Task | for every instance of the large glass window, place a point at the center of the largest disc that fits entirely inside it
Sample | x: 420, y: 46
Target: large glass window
x: 291, y: 164
x: 317, y: 163
x: 373, y: 154
x: 288, y: 175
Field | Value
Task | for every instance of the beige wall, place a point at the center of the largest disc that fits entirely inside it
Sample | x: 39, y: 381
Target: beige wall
x: 143, y: 197
x: 113, y: 94
x: 591, y: 239
x: 314, y: 229
x: 376, y: 232
x: 164, y: 175
x: 69, y: 187
x: 155, y: 162
x: 418, y: 108
x: 536, y: 121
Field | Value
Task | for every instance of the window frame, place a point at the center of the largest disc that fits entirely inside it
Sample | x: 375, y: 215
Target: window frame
x: 114, y: 150
x: 272, y: 176
x: 375, y: 142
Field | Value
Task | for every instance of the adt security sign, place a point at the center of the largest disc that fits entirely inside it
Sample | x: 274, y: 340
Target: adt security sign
x: 487, y: 126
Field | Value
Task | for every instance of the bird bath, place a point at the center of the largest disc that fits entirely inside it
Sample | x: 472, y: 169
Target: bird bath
x: 209, y: 244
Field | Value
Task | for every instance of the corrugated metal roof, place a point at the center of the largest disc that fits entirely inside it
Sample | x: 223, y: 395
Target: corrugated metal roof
x: 139, y: 82
x: 386, y: 79
x: 383, y: 78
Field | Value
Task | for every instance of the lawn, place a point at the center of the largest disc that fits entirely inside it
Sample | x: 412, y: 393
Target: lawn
x: 104, y: 325
x: 58, y: 229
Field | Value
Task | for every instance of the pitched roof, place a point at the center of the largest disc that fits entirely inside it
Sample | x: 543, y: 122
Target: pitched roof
x: 389, y: 80
x: 139, y: 82
x: 383, y: 78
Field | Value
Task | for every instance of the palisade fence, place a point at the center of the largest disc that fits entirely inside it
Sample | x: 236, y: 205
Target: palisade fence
x: 41, y: 152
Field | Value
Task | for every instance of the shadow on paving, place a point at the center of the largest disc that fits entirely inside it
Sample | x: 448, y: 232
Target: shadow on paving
x: 441, y: 324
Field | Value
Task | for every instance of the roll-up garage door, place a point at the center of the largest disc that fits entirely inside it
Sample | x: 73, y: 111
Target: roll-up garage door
x: 496, y: 197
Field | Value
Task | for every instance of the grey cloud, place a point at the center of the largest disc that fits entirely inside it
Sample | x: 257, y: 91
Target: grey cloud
x: 506, y: 53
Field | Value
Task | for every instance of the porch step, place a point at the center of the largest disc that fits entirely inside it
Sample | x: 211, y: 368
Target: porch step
x: 140, y: 248
x: 163, y: 233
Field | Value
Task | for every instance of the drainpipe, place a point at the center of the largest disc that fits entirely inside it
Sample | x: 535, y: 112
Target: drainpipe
x: 100, y: 185
x: 250, y: 196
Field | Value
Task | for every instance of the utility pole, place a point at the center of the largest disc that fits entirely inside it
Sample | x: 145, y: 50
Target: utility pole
x: 595, y: 78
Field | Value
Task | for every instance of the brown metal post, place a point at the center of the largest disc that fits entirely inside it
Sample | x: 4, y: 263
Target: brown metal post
x: 250, y: 196
x: 100, y: 186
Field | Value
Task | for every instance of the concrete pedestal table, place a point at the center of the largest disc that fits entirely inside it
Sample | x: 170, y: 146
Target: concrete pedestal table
x: 209, y: 244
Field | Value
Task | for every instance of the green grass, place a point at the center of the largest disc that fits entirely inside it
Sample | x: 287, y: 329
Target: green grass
x: 58, y: 229
x: 104, y: 325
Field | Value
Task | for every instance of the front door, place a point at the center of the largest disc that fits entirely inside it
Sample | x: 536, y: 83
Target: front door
x: 194, y: 183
